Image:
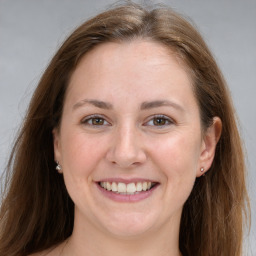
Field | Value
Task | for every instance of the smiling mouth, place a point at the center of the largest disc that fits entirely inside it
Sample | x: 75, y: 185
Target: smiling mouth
x: 127, y: 189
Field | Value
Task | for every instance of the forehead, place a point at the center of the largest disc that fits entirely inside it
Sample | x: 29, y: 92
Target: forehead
x: 116, y: 68
x: 131, y: 52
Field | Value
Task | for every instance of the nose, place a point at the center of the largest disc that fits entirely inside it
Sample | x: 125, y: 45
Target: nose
x: 126, y: 149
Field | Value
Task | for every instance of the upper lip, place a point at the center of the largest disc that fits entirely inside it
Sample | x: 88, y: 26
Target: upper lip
x: 125, y: 180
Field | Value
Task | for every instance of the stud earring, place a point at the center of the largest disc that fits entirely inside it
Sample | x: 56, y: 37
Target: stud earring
x: 58, y: 167
x: 202, y: 169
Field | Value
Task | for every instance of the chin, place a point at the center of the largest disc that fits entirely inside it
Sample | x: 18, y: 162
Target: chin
x: 130, y: 225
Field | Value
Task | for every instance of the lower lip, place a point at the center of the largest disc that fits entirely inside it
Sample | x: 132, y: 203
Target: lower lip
x: 127, y: 198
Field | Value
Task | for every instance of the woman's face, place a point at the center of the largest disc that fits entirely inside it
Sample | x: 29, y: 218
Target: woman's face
x: 130, y: 124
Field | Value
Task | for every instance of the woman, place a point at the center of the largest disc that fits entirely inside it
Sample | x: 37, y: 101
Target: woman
x: 135, y: 116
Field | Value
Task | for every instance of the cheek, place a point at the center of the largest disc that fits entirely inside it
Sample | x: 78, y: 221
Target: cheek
x: 177, y: 159
x: 81, y: 153
x: 179, y: 152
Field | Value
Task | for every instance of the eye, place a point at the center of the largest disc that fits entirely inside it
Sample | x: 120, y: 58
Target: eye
x: 159, y: 120
x: 95, y: 121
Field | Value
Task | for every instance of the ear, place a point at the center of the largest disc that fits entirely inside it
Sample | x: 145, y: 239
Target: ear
x: 209, y: 142
x: 56, y: 145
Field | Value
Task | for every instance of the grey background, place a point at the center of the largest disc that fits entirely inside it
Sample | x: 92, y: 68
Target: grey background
x: 32, y: 30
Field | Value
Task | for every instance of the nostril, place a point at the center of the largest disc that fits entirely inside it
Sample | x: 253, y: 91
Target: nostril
x: 125, y: 153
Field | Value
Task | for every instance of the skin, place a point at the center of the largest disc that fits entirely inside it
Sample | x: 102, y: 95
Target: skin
x: 128, y: 143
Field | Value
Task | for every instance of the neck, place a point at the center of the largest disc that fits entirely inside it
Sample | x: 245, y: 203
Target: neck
x: 88, y: 240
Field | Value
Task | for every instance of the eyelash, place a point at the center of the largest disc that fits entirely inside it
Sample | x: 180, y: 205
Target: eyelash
x: 167, y: 121
x: 89, y: 120
x: 101, y: 121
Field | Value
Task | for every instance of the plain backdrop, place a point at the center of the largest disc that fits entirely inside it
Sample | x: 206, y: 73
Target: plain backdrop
x: 32, y: 30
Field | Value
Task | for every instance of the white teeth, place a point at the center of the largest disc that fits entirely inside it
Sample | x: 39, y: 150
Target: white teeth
x: 114, y: 187
x: 130, y: 188
x: 108, y: 186
x: 121, y: 187
x: 144, y: 186
x: 139, y: 186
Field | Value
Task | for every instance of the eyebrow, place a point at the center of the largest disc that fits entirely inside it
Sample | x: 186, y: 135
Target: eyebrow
x: 96, y: 103
x: 144, y: 106
x: 160, y: 103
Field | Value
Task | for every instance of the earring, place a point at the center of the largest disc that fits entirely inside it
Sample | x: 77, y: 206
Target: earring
x: 58, y: 167
x: 202, y: 169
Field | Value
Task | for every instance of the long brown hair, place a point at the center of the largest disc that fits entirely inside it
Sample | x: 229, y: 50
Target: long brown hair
x: 37, y: 212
